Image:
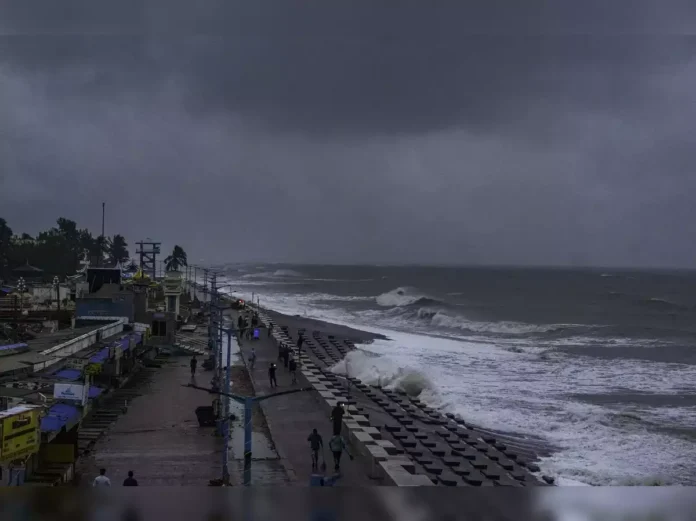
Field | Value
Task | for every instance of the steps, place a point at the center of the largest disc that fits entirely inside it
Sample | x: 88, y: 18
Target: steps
x: 114, y: 405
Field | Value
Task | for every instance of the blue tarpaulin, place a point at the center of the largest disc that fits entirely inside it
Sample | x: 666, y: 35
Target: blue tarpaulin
x: 13, y: 346
x: 59, y: 415
x: 95, y: 391
x: 100, y: 357
x: 68, y: 374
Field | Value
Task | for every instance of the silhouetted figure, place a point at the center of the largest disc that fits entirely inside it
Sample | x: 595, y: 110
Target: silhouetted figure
x: 315, y: 444
x: 292, y: 366
x: 337, y: 418
x: 194, y: 365
x: 272, y: 375
x: 130, y: 481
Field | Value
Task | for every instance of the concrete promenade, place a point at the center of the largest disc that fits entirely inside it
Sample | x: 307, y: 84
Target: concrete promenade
x: 292, y: 417
x: 158, y: 437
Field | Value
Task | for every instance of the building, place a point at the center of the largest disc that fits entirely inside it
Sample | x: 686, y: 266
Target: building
x: 173, y: 287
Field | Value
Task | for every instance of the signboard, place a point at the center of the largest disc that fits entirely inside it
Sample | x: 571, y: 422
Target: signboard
x: 72, y: 392
x: 76, y: 363
x: 19, y: 434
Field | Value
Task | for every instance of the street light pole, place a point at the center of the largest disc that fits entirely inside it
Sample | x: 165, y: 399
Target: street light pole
x: 56, y: 286
x: 248, y: 402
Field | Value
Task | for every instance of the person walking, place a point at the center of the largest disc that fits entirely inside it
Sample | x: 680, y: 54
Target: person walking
x: 292, y: 366
x: 252, y: 358
x: 194, y: 365
x: 338, y: 446
x: 286, y: 357
x: 300, y: 341
x: 270, y: 329
x: 316, y: 443
x: 272, y: 375
x: 337, y: 418
x: 101, y: 480
x: 130, y: 481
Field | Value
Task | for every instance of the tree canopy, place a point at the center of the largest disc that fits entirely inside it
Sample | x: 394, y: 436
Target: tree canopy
x: 176, y: 260
x: 58, y: 250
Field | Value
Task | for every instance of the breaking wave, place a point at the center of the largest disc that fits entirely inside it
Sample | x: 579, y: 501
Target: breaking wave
x: 405, y: 296
x: 440, y: 318
x: 382, y: 371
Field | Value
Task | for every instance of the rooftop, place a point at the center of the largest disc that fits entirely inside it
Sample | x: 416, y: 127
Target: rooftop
x: 21, y: 363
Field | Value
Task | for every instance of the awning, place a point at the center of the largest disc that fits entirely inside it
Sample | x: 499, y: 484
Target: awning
x: 95, y: 391
x: 100, y: 357
x: 58, y: 416
x: 68, y: 374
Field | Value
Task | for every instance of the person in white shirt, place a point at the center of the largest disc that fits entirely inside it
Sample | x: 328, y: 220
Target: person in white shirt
x: 101, y: 480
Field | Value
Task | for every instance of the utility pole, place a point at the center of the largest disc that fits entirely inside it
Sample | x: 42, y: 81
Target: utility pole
x: 248, y: 402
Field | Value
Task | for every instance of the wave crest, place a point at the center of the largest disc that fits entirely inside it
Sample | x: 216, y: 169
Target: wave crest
x: 381, y: 371
x: 405, y: 296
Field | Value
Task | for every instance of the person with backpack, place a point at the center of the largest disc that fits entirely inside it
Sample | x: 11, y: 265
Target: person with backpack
x: 316, y: 443
x: 338, y: 446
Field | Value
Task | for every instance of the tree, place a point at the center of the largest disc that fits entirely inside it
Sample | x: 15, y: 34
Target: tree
x: 57, y: 251
x: 5, y: 244
x: 176, y: 260
x: 118, y: 249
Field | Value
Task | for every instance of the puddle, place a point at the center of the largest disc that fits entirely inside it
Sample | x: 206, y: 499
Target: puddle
x: 261, y: 445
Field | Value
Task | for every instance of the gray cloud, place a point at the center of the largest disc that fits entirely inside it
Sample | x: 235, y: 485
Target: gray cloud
x: 365, y: 132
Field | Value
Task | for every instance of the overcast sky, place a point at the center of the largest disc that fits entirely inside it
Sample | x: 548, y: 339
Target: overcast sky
x: 356, y: 131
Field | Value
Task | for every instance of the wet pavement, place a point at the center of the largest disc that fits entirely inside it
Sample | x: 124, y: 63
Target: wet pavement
x: 160, y: 441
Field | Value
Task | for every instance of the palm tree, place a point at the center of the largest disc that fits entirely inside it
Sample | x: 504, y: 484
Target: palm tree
x: 176, y: 260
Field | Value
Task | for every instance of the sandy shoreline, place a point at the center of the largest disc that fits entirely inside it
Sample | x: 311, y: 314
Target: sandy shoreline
x: 356, y: 336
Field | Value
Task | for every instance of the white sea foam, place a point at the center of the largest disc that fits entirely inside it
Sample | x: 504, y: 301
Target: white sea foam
x: 521, y: 386
x: 404, y: 296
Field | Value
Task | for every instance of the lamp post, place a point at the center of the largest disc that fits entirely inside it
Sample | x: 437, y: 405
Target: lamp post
x: 248, y: 402
x: 56, y: 286
x: 22, y: 287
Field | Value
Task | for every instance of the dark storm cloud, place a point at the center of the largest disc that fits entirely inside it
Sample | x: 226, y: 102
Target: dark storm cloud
x: 449, y: 132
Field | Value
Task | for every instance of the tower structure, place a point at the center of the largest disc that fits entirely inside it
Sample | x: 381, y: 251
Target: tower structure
x: 148, y: 251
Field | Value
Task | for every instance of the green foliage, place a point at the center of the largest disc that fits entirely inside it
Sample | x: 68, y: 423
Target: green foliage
x: 176, y: 260
x: 118, y: 249
x: 57, y: 251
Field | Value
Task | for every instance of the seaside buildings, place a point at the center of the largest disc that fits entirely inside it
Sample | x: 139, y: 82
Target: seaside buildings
x: 58, y: 361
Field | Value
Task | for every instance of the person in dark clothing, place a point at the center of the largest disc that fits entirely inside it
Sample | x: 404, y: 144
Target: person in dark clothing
x: 300, y: 341
x: 130, y: 481
x: 255, y: 320
x: 194, y: 365
x: 272, y: 374
x: 337, y: 418
x: 270, y: 329
x: 292, y: 365
x: 286, y: 357
x: 315, y: 444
